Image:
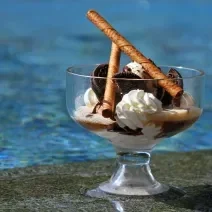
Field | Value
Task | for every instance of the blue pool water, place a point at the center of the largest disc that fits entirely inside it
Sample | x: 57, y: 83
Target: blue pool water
x: 40, y: 39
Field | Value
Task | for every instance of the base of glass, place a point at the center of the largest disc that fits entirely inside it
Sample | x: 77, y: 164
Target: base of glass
x: 157, y: 188
x: 133, y: 176
x: 172, y: 193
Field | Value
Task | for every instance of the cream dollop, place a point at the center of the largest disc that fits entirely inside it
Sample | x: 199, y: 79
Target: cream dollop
x: 90, y: 98
x: 131, y: 111
x: 136, y: 68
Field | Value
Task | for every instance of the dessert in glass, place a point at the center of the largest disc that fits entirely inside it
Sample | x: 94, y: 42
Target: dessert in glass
x: 134, y: 106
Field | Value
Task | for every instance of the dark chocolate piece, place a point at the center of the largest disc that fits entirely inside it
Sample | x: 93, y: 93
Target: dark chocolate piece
x: 167, y: 99
x: 174, y: 74
x: 98, y: 84
x: 125, y: 86
x: 153, y: 87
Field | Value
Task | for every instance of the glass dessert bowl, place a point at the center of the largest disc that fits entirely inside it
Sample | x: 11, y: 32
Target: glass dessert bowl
x: 144, y: 114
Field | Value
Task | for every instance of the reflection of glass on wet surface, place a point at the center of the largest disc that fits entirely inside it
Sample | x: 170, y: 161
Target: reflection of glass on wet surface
x: 143, y: 204
x: 118, y: 206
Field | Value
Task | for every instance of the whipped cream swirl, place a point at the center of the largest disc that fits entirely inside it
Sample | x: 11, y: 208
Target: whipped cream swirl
x: 132, y: 109
x: 90, y: 98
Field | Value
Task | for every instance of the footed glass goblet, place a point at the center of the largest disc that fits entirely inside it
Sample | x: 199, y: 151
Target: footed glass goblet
x: 144, y: 114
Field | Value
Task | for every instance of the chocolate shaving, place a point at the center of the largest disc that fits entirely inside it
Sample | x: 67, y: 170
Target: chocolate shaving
x: 95, y: 109
x: 125, y: 131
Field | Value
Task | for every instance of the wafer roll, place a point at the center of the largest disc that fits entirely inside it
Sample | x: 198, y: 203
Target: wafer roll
x: 174, y: 90
x: 109, y: 95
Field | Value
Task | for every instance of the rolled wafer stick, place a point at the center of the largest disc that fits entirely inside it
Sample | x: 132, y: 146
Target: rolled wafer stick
x: 173, y: 89
x: 109, y: 95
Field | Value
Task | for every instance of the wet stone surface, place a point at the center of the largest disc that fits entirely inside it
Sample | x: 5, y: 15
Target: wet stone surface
x: 63, y: 187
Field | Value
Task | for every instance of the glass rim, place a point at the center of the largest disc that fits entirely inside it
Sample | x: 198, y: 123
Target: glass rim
x: 200, y: 73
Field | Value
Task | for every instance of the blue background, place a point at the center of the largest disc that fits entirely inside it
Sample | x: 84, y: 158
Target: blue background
x: 40, y: 39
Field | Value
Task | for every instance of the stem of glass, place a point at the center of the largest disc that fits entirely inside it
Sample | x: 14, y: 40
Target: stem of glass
x: 133, y: 175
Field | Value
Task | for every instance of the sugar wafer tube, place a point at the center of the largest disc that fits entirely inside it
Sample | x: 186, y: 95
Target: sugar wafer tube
x: 109, y: 95
x: 173, y: 89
